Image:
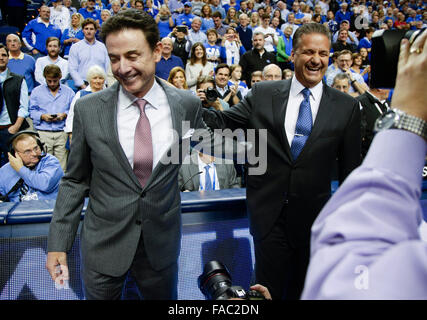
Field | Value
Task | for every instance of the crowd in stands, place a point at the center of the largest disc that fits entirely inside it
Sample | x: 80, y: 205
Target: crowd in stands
x: 226, y: 45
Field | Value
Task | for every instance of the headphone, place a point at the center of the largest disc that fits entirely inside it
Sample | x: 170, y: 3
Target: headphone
x: 31, y: 132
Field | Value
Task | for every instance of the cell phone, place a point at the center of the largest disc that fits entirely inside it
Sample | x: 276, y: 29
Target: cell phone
x: 181, y: 29
x: 54, y: 115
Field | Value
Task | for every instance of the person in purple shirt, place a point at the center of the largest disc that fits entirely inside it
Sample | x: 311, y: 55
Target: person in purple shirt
x: 366, y: 243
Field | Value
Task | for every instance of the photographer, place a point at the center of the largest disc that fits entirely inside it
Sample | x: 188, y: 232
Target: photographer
x: 205, y: 90
x: 365, y: 243
x: 29, y: 175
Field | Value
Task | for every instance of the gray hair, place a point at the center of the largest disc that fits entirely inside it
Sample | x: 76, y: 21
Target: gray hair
x: 95, y: 71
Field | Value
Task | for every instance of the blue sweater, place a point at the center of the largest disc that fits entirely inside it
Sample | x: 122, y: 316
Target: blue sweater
x: 41, y: 33
x: 24, y: 67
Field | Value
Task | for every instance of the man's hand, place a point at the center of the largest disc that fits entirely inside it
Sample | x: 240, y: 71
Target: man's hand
x: 60, y: 117
x: 57, y: 266
x: 14, y: 128
x: 15, y: 161
x: 411, y: 82
x: 263, y: 290
x: 47, y: 117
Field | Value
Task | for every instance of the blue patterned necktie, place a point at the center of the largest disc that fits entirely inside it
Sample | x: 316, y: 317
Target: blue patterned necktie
x: 208, y: 182
x: 303, y: 126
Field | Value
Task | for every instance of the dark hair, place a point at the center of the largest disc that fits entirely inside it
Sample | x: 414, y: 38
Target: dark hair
x: 132, y: 19
x: 2, y: 46
x: 52, y: 70
x: 309, y: 28
x: 222, y: 66
x: 88, y: 21
x: 217, y: 14
x: 50, y: 39
x: 204, y: 79
x: 193, y: 56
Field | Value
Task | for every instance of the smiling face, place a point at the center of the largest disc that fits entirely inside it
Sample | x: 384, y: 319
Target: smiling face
x: 133, y: 62
x: 311, y: 58
x: 178, y: 80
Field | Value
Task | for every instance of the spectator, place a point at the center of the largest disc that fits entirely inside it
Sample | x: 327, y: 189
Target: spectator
x: 30, y: 174
x: 291, y: 23
x: 139, y: 5
x: 232, y: 4
x: 195, y: 34
x: 198, y: 65
x: 217, y: 7
x: 220, y: 28
x: 180, y: 48
x: 37, y: 31
x: 176, y: 7
x: 90, y: 12
x: 186, y: 18
x: 149, y: 8
x: 357, y: 66
x: 164, y: 21
x: 205, y: 83
x: 366, y: 42
x: 272, y: 72
x: 341, y: 82
x: 277, y: 14
x: 271, y: 39
x: 96, y: 77
x: 297, y: 13
x: 344, y: 61
x: 236, y: 75
x: 287, y: 74
x: 231, y: 17
x: 254, y: 23
x: 331, y: 23
x: 229, y: 94
x: 19, y: 62
x: 352, y: 38
x: 400, y: 23
x: 86, y: 53
x: 216, y: 173
x: 67, y: 4
x: 342, y: 44
x: 53, y: 47
x: 257, y: 58
x: 197, y: 7
x: 177, y: 78
x: 167, y: 60
x: 244, y: 31
x: 73, y: 33
x: 256, y: 76
x: 365, y: 57
x: 231, y: 47
x: 59, y: 15
x: 343, y: 13
x: 13, y: 103
x: 105, y: 14
x: 49, y: 105
x: 206, y: 15
x: 284, y: 49
x: 115, y: 7
x: 213, y: 51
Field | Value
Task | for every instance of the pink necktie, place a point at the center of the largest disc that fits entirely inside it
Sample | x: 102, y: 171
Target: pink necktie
x: 143, y: 147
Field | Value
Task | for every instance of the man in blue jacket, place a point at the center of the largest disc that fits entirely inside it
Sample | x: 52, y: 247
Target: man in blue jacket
x: 30, y: 174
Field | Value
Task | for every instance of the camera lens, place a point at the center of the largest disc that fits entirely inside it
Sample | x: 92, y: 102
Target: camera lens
x: 211, y: 94
x: 215, y: 281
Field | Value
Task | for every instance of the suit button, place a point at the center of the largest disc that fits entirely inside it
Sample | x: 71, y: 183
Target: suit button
x: 143, y: 194
x: 138, y: 222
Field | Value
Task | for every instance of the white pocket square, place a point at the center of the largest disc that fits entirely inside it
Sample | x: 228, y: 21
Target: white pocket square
x: 188, y: 134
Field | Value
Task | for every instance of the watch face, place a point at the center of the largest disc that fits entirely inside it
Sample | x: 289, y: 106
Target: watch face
x: 386, y: 121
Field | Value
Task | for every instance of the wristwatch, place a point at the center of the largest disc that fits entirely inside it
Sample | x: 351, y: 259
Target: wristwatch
x: 397, y: 119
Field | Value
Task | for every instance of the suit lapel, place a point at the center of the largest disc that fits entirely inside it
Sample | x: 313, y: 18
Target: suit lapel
x: 193, y: 169
x: 278, y: 105
x: 108, y: 119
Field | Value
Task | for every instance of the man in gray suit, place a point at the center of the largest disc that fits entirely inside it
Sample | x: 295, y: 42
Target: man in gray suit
x: 205, y: 172
x: 133, y: 221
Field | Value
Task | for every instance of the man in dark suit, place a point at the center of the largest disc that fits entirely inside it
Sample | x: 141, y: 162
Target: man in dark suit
x: 122, y: 137
x: 309, y: 126
x: 194, y: 172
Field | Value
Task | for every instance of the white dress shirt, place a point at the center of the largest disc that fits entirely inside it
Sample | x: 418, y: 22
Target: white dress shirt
x: 212, y: 173
x: 294, y: 102
x: 158, y: 113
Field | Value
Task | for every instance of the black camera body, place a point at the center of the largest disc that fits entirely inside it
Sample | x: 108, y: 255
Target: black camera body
x: 215, y: 284
x: 211, y: 94
x: 385, y: 55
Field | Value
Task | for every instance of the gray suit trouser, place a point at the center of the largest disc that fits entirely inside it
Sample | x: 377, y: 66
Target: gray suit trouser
x: 152, y: 284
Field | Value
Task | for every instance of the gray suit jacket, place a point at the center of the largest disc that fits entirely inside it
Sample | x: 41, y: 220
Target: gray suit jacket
x: 226, y: 173
x: 119, y: 209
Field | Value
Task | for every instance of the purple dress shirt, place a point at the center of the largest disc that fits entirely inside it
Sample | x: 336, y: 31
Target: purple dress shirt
x: 365, y: 243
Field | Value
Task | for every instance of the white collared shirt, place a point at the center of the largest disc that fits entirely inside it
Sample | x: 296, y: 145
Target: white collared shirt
x: 158, y: 113
x: 294, y: 102
x: 212, y: 173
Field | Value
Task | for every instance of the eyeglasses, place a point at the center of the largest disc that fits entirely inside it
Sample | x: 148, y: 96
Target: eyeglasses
x: 36, y: 150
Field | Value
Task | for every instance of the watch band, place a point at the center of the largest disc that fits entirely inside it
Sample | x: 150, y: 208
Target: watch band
x: 398, y: 119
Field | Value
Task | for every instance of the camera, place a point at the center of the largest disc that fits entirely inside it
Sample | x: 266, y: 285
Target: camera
x: 215, y: 284
x: 181, y: 29
x: 385, y: 55
x: 211, y: 94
